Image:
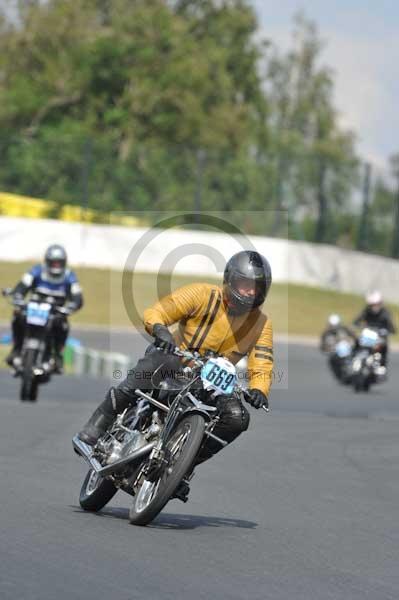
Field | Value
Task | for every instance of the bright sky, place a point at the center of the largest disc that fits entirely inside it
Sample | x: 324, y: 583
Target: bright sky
x: 362, y: 46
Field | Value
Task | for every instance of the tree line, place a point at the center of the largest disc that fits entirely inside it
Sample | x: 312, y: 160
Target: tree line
x: 156, y: 105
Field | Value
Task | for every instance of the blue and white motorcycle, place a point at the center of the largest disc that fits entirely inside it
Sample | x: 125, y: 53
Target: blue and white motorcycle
x: 36, y: 364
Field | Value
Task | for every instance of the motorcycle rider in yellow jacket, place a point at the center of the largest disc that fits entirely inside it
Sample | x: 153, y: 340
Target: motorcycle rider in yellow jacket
x: 225, y: 320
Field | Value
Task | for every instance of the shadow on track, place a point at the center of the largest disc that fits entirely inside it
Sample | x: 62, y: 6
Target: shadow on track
x: 177, y: 521
x: 181, y: 521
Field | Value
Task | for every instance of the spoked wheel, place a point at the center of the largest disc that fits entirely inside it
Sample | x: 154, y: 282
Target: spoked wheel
x: 96, y: 492
x: 29, y: 386
x: 152, y: 494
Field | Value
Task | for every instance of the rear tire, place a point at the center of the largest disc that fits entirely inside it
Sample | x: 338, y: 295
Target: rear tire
x: 192, y: 427
x: 96, y: 492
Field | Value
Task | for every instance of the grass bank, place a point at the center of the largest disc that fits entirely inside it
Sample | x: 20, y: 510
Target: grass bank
x: 299, y: 310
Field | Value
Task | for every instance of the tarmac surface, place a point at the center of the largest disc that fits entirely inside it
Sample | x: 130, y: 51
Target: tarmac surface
x: 305, y: 505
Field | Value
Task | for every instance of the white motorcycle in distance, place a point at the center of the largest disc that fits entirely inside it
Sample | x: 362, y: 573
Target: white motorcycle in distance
x: 36, y: 364
x: 339, y: 350
x: 366, y: 365
x: 340, y: 360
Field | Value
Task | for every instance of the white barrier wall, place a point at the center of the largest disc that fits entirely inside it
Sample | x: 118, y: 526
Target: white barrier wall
x: 197, y: 252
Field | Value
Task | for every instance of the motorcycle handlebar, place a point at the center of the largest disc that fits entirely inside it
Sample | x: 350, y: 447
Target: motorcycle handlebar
x: 14, y: 300
x: 62, y: 310
x: 20, y: 302
x: 195, y: 357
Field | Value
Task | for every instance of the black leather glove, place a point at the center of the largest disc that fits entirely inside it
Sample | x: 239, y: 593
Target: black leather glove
x: 163, y: 338
x: 257, y: 399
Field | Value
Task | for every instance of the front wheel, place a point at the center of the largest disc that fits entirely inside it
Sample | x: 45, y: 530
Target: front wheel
x: 29, y: 385
x: 96, y: 492
x: 361, y: 384
x: 182, y: 447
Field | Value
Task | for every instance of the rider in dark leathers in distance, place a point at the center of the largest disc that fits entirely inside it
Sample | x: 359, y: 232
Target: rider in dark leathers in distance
x: 54, y: 279
x: 334, y: 332
x: 377, y: 316
x: 226, y: 320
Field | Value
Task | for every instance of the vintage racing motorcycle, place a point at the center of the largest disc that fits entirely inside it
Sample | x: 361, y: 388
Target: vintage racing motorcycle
x: 152, y: 447
x: 36, y: 363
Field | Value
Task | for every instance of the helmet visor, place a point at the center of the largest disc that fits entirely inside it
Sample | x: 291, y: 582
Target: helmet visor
x: 56, y: 266
x: 247, y: 288
x: 243, y: 293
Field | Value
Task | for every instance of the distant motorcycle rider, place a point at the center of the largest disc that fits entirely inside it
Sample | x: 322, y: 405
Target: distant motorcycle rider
x: 53, y: 279
x: 334, y: 332
x: 226, y: 320
x: 376, y: 316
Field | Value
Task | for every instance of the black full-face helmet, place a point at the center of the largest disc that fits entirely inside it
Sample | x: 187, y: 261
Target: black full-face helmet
x: 247, y: 280
x: 55, y: 260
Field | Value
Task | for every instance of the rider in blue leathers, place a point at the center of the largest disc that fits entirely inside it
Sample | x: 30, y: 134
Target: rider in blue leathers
x: 54, y: 279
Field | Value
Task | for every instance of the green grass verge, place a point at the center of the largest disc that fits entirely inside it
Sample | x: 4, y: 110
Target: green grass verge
x: 299, y: 310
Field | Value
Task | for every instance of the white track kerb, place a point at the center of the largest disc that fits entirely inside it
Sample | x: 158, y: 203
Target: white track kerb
x: 86, y: 361
x: 114, y: 365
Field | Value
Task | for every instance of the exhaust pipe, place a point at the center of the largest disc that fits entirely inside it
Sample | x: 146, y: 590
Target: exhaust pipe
x: 86, y: 452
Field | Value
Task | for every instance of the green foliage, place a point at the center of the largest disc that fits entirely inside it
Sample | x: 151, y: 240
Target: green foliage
x: 316, y: 164
x: 161, y: 105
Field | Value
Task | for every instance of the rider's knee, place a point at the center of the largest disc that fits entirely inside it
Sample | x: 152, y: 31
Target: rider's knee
x: 234, y: 416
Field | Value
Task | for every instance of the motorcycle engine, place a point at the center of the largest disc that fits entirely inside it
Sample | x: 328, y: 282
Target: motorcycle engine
x: 115, y: 449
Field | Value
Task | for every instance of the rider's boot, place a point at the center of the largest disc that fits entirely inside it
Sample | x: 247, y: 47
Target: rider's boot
x: 99, y: 422
x: 116, y: 401
x: 13, y: 354
x: 58, y: 362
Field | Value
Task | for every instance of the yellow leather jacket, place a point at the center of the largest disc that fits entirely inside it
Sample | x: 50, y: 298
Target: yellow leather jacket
x: 204, y: 324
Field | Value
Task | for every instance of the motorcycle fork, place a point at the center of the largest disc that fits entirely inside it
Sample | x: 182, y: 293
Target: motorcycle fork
x: 158, y: 458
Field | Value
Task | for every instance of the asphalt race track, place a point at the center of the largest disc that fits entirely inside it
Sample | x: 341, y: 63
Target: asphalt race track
x: 305, y: 506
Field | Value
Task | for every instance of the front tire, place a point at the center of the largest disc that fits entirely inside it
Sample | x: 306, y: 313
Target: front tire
x: 183, y: 444
x: 29, y: 386
x: 96, y: 492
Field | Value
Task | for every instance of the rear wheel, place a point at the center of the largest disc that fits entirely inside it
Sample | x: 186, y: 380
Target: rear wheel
x: 29, y: 385
x: 96, y: 492
x: 182, y: 447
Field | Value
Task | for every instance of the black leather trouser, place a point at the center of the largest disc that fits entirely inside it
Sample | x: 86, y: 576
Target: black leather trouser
x: 60, y: 330
x: 18, y: 329
x: 153, y: 368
